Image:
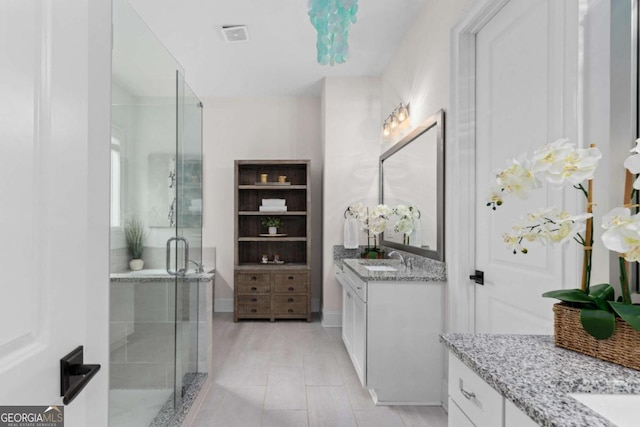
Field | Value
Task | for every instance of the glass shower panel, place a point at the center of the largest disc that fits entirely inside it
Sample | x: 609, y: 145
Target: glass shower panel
x: 143, y: 311
x: 189, y: 227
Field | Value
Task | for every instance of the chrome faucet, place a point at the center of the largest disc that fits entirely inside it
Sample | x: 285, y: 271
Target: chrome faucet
x: 199, y: 267
x: 400, y: 257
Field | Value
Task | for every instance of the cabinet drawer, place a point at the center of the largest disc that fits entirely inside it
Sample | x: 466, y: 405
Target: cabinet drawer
x: 482, y: 404
x: 253, y: 278
x: 256, y: 288
x: 290, y: 304
x: 254, y: 304
x: 290, y: 282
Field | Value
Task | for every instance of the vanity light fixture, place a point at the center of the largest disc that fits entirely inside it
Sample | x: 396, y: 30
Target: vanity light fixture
x: 398, y: 116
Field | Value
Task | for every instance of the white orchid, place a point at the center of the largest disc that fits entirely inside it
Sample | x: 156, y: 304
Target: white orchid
x: 409, y: 215
x: 517, y: 179
x: 548, y: 225
x: 633, y: 163
x: 622, y: 233
x: 561, y: 163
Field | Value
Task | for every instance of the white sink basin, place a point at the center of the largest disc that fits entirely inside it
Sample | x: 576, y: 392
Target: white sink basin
x: 380, y: 268
x: 623, y: 410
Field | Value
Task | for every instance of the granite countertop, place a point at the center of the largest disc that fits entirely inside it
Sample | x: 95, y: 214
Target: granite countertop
x: 402, y: 273
x: 159, y: 275
x: 537, y: 376
x: 424, y: 269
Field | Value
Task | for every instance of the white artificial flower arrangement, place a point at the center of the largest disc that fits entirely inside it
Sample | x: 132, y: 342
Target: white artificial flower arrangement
x: 561, y: 164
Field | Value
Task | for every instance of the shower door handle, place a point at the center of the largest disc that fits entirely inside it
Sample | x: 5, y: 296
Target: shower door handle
x: 177, y: 271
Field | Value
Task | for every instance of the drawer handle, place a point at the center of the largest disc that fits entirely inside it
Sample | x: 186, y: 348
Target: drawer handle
x: 253, y: 310
x: 358, y: 287
x: 290, y: 300
x: 468, y: 394
x: 290, y: 288
x: 290, y: 310
x: 254, y: 299
x: 254, y: 278
x: 290, y: 277
x: 253, y: 288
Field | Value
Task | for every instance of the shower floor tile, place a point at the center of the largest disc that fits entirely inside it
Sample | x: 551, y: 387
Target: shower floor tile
x: 135, y: 408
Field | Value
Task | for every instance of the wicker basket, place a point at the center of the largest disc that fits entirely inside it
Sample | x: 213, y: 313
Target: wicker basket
x: 622, y: 348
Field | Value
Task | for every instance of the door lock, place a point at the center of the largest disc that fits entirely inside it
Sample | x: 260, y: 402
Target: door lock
x: 478, y: 277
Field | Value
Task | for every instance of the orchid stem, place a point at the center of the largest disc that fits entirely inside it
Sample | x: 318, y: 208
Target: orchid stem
x: 624, y: 281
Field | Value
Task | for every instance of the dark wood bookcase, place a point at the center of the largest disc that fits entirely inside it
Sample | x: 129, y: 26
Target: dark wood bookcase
x: 272, y: 290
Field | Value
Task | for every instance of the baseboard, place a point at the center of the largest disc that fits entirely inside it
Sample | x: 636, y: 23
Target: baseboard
x: 332, y: 319
x: 445, y: 395
x: 225, y: 305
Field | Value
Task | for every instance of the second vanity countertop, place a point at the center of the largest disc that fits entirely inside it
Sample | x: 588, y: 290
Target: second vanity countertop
x: 159, y: 275
x: 420, y: 273
x: 537, y: 376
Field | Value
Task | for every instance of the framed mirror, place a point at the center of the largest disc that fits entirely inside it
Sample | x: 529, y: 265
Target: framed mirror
x: 412, y: 183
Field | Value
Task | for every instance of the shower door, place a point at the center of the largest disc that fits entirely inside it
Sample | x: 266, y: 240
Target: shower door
x: 188, y: 228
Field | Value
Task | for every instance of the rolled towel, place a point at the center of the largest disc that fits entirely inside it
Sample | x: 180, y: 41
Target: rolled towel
x: 351, y: 231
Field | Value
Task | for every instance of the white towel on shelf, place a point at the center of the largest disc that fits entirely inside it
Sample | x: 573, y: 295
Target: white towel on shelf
x: 351, y: 231
x: 273, y: 208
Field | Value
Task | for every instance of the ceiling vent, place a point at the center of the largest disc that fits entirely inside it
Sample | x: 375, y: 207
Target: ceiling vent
x: 234, y: 33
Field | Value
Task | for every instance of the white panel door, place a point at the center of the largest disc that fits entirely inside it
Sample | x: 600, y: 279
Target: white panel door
x: 525, y: 79
x: 46, y: 252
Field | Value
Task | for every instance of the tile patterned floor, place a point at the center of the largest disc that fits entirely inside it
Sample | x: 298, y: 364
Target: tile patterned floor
x: 291, y: 374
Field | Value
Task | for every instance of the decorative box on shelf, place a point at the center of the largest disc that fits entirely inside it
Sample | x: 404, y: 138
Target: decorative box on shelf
x: 622, y: 348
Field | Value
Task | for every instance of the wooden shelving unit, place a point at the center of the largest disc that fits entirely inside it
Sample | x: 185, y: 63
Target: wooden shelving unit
x: 272, y: 291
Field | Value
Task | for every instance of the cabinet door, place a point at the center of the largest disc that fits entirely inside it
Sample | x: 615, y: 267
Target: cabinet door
x: 457, y: 418
x: 514, y: 417
x: 347, y: 319
x: 360, y: 338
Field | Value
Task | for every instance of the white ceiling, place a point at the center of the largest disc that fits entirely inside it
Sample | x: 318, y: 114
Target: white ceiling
x: 280, y: 57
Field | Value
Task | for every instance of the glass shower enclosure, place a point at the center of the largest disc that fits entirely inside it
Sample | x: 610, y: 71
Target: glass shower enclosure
x: 156, y: 180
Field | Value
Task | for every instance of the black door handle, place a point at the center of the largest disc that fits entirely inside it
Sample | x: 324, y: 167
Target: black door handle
x: 74, y: 374
x: 478, y: 277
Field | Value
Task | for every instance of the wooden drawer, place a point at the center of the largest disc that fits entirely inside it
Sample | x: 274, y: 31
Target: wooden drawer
x: 482, y: 404
x: 256, y: 288
x: 259, y: 304
x: 290, y: 304
x: 253, y: 279
x: 290, y: 282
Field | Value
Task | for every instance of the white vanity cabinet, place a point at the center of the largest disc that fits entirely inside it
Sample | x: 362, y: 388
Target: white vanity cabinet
x: 390, y: 330
x: 473, y: 402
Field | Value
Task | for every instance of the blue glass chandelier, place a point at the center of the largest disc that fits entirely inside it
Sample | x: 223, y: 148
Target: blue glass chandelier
x: 332, y: 20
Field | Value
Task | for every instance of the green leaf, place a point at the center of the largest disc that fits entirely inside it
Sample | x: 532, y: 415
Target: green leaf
x: 598, y: 323
x: 629, y: 313
x: 601, y: 294
x: 577, y: 296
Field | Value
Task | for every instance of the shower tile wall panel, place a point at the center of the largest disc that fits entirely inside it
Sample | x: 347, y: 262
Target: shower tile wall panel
x: 142, y: 335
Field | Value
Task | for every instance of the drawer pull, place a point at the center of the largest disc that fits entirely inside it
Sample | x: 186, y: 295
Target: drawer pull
x: 253, y: 288
x: 468, y: 394
x: 290, y: 277
x: 254, y: 278
x: 290, y: 300
x: 290, y: 310
x: 290, y: 288
x: 254, y: 299
x: 359, y: 287
x: 253, y: 310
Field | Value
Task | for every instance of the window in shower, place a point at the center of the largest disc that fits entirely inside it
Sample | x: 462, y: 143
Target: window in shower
x: 117, y: 137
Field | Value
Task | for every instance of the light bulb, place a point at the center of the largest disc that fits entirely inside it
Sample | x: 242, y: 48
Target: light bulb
x: 385, y: 129
x: 394, y: 121
x: 403, y: 114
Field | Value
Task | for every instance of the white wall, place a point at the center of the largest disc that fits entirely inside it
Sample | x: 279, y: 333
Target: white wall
x: 418, y: 73
x: 262, y: 128
x: 351, y: 141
